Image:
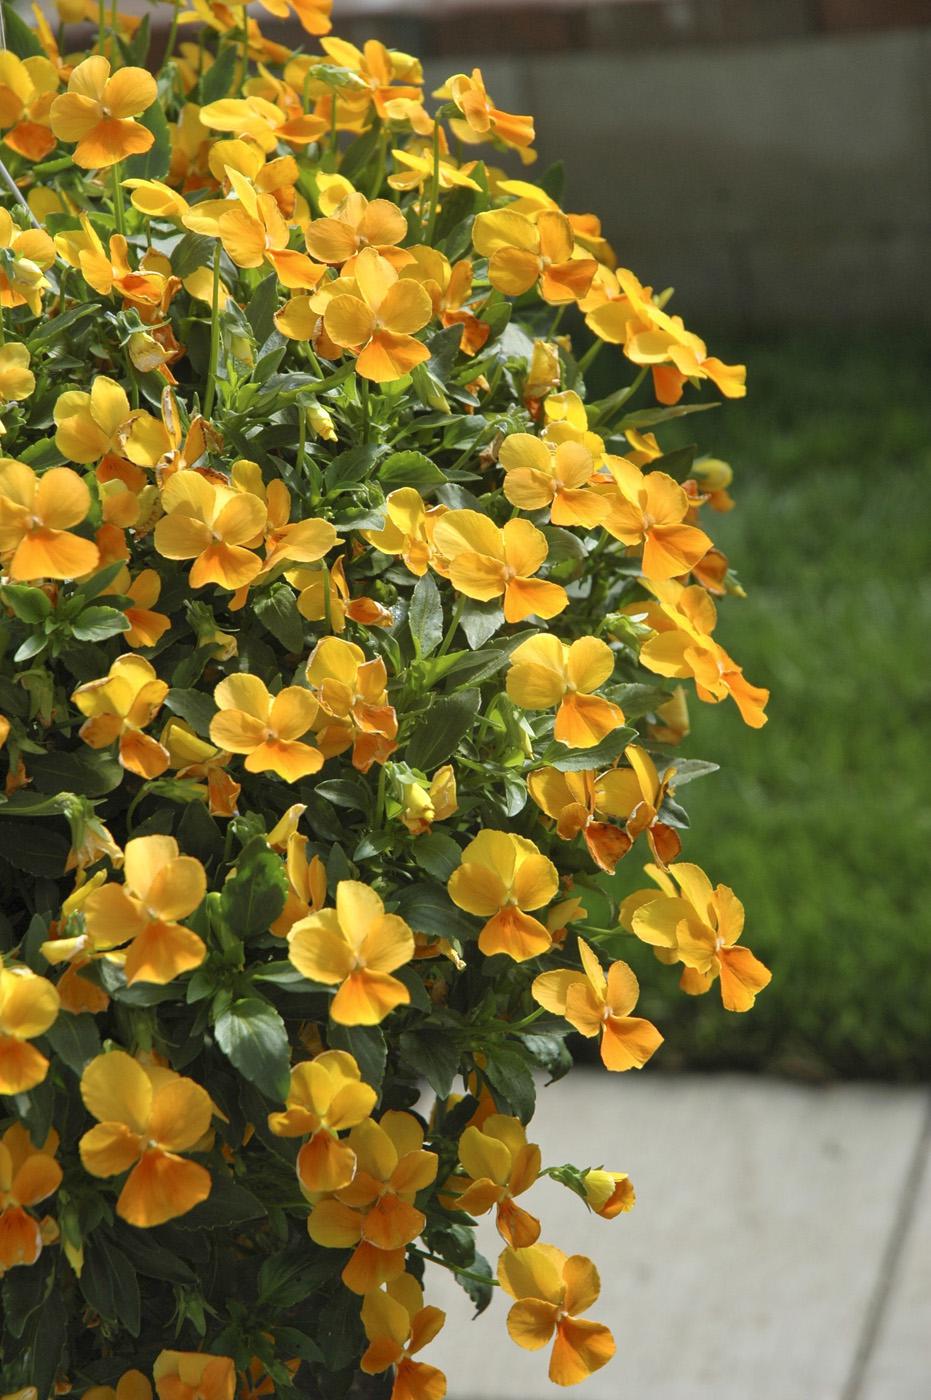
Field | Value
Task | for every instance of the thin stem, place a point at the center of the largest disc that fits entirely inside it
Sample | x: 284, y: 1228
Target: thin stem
x: 214, y: 335
x: 590, y: 356
x: 456, y: 1269
x: 453, y: 627
x: 17, y: 193
x: 101, y: 25
x: 172, y: 35
x: 557, y: 320
x: 327, y: 600
x: 380, y: 799
x: 245, y: 48
x: 119, y: 213
x: 432, y: 208
x: 364, y: 400
x: 527, y: 1021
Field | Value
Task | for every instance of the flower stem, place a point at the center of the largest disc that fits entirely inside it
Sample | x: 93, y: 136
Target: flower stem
x: 119, y: 213
x: 434, y: 186
x: 214, y: 336
x: 456, y: 1268
x: 591, y: 354
x: 172, y: 34
x: 453, y: 627
x: 364, y: 400
x: 245, y: 48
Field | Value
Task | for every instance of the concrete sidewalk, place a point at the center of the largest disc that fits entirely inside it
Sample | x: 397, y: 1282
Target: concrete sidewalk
x: 780, y: 1248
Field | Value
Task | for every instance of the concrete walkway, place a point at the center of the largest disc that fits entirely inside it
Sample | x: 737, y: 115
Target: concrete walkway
x: 780, y: 1248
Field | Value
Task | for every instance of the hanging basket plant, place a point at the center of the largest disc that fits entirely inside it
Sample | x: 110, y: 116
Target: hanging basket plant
x: 346, y: 647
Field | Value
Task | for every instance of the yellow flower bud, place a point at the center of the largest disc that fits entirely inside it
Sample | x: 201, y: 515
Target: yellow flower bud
x: 609, y: 1193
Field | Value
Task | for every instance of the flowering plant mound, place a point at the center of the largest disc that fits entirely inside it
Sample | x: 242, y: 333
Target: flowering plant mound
x: 346, y: 644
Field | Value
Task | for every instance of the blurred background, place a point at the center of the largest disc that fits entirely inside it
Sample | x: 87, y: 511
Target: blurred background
x: 771, y: 160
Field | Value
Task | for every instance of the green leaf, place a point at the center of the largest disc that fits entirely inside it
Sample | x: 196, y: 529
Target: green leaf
x: 90, y: 772
x: 685, y: 770
x: 218, y: 79
x: 228, y: 1204
x: 438, y: 854
x: 55, y: 327
x: 425, y: 616
x: 153, y: 163
x: 366, y: 1044
x: 98, y: 623
x: 346, y: 792
x: 150, y: 1258
x: 74, y: 1039
x: 193, y: 706
x: 480, y: 621
x: 429, y: 910
x: 412, y: 469
x: 252, y: 1036
x: 438, y: 732
x: 566, y: 760
x: 261, y: 308
x: 434, y: 1055
x: 511, y: 1081
x: 21, y: 38
x: 24, y: 1292
x: 254, y: 896
x: 351, y: 467
x: 481, y: 1293
x: 192, y: 251
x: 277, y: 611
x: 652, y: 417
x: 29, y: 604
x: 30, y: 846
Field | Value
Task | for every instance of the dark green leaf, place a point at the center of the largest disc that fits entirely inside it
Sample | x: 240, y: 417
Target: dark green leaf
x: 425, y: 616
x: 409, y: 469
x: 253, y: 1037
x: 32, y: 847
x: 29, y: 604
x: 685, y: 770
x: 254, y: 896
x: 351, y: 466
x: 433, y: 1055
x: 511, y: 1081
x: 75, y: 1039
x: 480, y: 621
x: 602, y: 755
x: 277, y: 611
x: 366, y: 1044
x: 228, y: 1204
x: 21, y: 38
x: 153, y: 163
x: 192, y: 251
x: 218, y: 79
x: 98, y: 623
x: 193, y: 706
x: 90, y: 772
x: 261, y: 308
x: 438, y: 854
x: 438, y: 732
x: 429, y: 910
x: 480, y: 1292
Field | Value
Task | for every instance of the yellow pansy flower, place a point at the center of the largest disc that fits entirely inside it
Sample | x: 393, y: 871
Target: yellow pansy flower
x: 596, y: 1004
x: 356, y: 946
x: 97, y: 112
x: 545, y: 671
x: 398, y: 1326
x: 119, y: 706
x: 29, y: 253
x: 484, y: 561
x: 538, y: 476
x: 211, y: 524
x: 649, y: 510
x: 551, y: 1292
x: 500, y: 1164
x: 193, y: 1375
x: 36, y: 513
x: 326, y: 1097
x: 524, y: 252
x: 483, y: 120
x: 28, y: 1175
x: 28, y: 1006
x: 378, y: 318
x: 354, y: 702
x: 267, y: 728
x: 501, y: 877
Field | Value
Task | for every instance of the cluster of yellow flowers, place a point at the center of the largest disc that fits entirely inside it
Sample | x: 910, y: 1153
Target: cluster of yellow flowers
x: 344, y: 642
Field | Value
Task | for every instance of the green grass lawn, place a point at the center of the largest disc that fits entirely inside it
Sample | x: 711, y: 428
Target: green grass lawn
x: 821, y: 820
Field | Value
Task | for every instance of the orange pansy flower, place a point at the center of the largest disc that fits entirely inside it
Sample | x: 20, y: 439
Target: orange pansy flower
x: 486, y: 562
x: 36, y: 514
x: 551, y: 1292
x: 545, y: 671
x: 266, y: 728
x: 500, y: 1164
x: 161, y: 887
x: 482, y: 118
x: 119, y: 706
x: 500, y: 878
x: 397, y: 1326
x: 596, y: 1004
x: 28, y: 1006
x: 375, y: 1215
x: 649, y: 510
x: 353, y: 702
x: 355, y: 224
x: 326, y: 1097
x: 524, y: 252
x: 377, y: 316
x: 356, y: 946
x: 194, y: 1375
x: 540, y: 475
x: 97, y: 112
x: 212, y: 525
x: 28, y: 1175
x: 27, y: 89
x: 146, y: 1117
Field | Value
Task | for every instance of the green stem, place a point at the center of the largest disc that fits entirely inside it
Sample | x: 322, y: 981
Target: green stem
x: 453, y: 627
x: 380, y: 799
x: 101, y: 25
x: 364, y: 400
x: 433, y: 207
x: 455, y: 1268
x: 379, y: 176
x: 245, y: 48
x: 214, y: 336
x: 172, y: 35
x: 119, y: 212
x: 327, y: 601
x: 557, y: 320
x: 527, y: 1021
x: 591, y: 355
